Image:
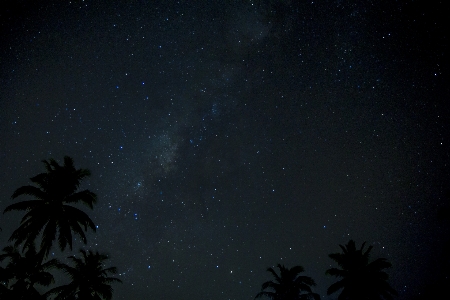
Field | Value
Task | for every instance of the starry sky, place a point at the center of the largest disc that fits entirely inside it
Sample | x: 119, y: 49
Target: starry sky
x: 225, y: 137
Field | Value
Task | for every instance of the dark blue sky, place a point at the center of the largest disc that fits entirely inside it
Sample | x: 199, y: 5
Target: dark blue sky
x: 225, y: 137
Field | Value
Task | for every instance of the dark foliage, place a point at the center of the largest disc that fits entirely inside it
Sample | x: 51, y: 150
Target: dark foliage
x: 288, y: 285
x: 23, y: 272
x: 89, y: 279
x: 360, y: 279
x: 51, y: 214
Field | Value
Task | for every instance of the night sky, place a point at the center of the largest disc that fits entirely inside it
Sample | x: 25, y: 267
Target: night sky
x: 225, y: 137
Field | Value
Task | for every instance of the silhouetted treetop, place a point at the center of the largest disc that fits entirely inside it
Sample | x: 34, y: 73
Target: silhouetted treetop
x: 50, y: 213
x: 289, y: 285
x: 360, y: 279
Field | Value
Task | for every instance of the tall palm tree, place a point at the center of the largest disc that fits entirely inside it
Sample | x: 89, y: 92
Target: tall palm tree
x: 89, y: 279
x: 50, y: 214
x: 360, y: 279
x: 23, y: 272
x: 288, y: 285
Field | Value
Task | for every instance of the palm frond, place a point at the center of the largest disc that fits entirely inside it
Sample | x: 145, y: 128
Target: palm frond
x: 38, y: 212
x: 47, y: 164
x: 24, y: 205
x: 86, y: 197
x: 62, y: 292
x: 271, y: 295
x: 303, y: 287
x: 336, y: 287
x: 27, y: 232
x: 269, y: 284
x: 367, y: 253
x: 41, y: 180
x: 68, y: 162
x: 30, y: 191
x: 344, y: 249
x: 305, y: 280
x: 48, y: 236
x: 70, y: 271
x: 379, y: 264
x: 104, y: 291
x: 337, y: 257
x: 296, y: 270
x: 81, y: 217
x: 275, y: 275
x: 11, y: 253
x: 77, y: 261
x: 43, y: 278
x: 76, y: 228
x: 82, y: 174
x: 65, y: 235
x: 110, y: 280
x: 110, y: 270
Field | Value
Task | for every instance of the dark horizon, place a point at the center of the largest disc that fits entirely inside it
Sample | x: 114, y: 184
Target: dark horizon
x: 228, y: 137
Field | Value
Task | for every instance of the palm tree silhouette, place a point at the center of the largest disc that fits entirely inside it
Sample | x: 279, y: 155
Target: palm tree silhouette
x: 89, y: 280
x: 23, y: 272
x: 360, y: 279
x: 289, y: 285
x: 51, y: 211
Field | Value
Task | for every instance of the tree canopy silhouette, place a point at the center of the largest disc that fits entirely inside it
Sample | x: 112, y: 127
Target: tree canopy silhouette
x: 89, y: 279
x: 51, y: 214
x: 23, y: 272
x: 288, y: 285
x: 359, y: 278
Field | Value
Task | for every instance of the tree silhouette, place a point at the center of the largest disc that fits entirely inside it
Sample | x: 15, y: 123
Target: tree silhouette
x: 23, y: 272
x: 89, y: 280
x: 288, y: 285
x: 360, y: 279
x: 50, y: 214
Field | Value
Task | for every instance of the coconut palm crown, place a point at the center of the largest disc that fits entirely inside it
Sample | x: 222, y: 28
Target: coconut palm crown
x: 288, y: 285
x: 360, y: 279
x: 50, y: 215
x: 89, y: 279
x: 23, y: 272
